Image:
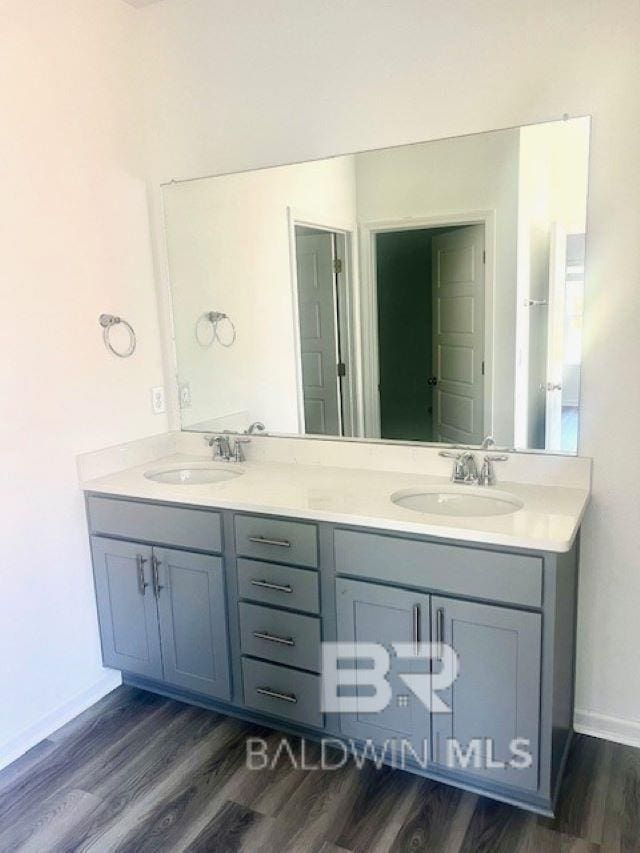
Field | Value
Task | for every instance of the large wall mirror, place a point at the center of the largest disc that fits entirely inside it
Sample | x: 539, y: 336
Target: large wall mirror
x: 430, y: 292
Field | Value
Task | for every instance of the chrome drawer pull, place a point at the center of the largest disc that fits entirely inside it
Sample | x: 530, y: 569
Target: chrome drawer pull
x: 440, y: 630
x: 142, y: 583
x: 273, y: 694
x: 272, y: 638
x: 263, y: 540
x: 276, y: 586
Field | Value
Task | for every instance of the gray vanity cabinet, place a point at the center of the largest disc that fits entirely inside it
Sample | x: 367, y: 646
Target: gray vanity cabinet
x: 126, y: 606
x: 233, y: 608
x: 193, y: 625
x: 496, y: 696
x: 162, y: 614
x: 372, y: 613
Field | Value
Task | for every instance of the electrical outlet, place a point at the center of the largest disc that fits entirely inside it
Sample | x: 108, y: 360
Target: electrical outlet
x: 185, y: 395
x: 157, y: 400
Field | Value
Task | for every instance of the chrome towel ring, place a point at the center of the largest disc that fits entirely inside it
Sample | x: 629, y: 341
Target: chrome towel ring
x: 215, y: 318
x: 107, y: 321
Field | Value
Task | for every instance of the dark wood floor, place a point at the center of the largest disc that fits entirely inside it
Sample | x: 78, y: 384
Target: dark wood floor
x: 141, y: 773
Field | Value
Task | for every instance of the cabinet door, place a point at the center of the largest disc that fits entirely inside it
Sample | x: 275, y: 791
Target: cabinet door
x: 126, y: 606
x: 496, y: 696
x: 371, y: 613
x: 193, y: 621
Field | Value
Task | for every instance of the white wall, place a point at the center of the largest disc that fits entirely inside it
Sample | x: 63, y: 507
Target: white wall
x: 228, y: 249
x: 75, y: 242
x: 229, y: 90
x: 453, y: 176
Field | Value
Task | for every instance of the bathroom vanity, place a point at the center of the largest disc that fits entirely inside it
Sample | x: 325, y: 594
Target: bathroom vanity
x: 214, y: 594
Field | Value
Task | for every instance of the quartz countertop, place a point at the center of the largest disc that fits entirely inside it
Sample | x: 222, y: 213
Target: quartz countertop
x: 548, y: 521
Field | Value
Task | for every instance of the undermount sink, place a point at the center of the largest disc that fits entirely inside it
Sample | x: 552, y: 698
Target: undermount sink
x: 460, y: 501
x: 193, y: 475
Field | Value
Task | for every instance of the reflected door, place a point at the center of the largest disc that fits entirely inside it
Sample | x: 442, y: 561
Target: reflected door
x: 555, y: 338
x: 318, y: 339
x: 458, y: 341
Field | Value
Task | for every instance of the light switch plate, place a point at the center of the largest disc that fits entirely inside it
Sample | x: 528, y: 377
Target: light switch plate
x: 157, y: 400
x: 185, y: 395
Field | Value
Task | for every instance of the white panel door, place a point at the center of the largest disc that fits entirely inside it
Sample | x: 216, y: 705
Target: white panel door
x: 458, y: 334
x: 555, y: 337
x: 317, y: 319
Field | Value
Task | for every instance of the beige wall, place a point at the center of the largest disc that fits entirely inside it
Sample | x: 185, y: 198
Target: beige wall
x: 75, y: 242
x: 230, y: 89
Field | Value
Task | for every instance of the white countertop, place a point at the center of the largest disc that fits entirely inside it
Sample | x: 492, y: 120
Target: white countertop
x: 548, y: 521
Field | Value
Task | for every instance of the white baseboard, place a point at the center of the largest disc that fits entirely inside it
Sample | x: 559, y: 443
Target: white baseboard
x: 617, y: 729
x: 17, y: 746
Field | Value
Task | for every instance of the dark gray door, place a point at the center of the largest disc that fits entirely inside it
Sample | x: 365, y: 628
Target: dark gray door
x: 496, y: 697
x: 371, y: 613
x: 126, y: 606
x: 192, y: 609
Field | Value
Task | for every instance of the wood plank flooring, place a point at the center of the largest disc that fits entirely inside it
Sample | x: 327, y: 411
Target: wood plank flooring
x: 138, y: 772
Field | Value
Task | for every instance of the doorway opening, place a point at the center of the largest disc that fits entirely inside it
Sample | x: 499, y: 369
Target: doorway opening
x: 430, y: 297
x: 323, y: 309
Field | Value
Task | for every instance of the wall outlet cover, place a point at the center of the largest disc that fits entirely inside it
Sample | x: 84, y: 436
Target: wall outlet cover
x: 185, y: 395
x: 157, y: 400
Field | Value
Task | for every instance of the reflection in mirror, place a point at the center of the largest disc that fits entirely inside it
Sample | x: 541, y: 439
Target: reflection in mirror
x: 430, y: 292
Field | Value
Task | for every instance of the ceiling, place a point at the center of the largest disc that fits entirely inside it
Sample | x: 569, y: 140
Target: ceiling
x: 139, y: 3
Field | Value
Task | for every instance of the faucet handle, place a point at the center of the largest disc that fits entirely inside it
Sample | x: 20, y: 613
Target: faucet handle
x: 487, y: 474
x: 237, y: 447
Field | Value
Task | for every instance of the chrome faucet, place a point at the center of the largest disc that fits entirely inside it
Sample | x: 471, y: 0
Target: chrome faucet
x: 222, y: 447
x: 465, y: 467
x: 227, y: 449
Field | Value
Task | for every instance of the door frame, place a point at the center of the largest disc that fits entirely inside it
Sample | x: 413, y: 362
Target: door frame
x: 368, y: 232
x: 351, y: 347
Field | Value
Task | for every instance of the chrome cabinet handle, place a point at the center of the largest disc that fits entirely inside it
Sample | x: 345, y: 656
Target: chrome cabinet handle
x: 273, y: 638
x: 157, y: 586
x: 274, y: 694
x: 142, y: 583
x: 416, y: 629
x: 275, y: 586
x: 440, y: 629
x: 263, y: 540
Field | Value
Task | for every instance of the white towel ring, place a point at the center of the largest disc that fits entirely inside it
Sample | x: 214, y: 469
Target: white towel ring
x: 107, y: 321
x: 215, y: 318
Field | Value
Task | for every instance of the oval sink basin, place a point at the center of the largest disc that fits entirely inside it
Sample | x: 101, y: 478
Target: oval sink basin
x: 193, y: 475
x: 460, y: 502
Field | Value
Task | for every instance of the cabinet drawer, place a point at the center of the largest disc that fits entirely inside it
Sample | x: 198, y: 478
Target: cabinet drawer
x: 512, y: 578
x: 268, y: 583
x: 283, y: 637
x: 282, y: 692
x: 166, y: 525
x: 275, y: 539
